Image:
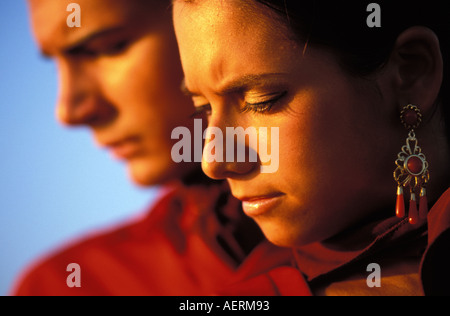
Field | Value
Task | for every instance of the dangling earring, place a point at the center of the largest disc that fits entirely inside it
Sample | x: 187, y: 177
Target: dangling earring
x: 412, y: 169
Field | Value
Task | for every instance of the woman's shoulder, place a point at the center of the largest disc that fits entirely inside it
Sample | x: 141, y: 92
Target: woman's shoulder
x: 435, y: 272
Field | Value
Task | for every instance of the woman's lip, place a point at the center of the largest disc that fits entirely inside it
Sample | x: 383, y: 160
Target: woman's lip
x: 257, y: 206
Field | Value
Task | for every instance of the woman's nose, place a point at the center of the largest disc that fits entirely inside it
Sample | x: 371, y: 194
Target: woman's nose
x: 227, y: 156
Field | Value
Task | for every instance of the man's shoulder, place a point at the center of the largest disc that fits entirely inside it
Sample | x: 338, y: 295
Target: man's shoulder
x: 47, y: 275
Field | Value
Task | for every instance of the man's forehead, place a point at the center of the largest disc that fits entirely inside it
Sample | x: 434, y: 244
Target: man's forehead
x: 49, y: 19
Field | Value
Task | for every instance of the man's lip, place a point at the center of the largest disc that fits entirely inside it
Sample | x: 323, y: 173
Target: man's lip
x: 259, y: 205
x: 123, y: 149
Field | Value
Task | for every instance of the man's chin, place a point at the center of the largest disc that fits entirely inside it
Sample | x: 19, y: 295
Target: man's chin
x: 146, y: 173
x: 151, y: 172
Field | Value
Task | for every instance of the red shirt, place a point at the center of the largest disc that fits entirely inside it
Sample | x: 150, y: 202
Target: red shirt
x: 182, y: 247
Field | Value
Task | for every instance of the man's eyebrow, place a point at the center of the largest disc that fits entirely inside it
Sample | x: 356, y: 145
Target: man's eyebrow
x: 79, y: 43
x: 92, y: 37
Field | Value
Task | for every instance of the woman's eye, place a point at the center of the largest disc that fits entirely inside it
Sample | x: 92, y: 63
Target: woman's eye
x: 202, y: 111
x: 263, y: 106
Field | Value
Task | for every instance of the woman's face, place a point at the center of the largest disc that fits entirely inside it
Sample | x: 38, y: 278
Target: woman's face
x: 335, y: 154
x: 119, y: 75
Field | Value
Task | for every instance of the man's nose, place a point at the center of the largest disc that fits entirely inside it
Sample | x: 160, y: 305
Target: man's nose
x: 81, y: 101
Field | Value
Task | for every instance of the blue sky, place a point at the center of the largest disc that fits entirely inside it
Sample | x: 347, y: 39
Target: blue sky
x: 55, y: 185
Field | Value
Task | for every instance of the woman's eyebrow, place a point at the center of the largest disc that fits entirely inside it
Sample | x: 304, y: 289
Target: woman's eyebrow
x: 246, y: 82
x: 239, y: 84
x: 185, y: 90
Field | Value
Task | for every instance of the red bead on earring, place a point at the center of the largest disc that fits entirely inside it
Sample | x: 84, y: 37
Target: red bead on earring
x: 400, y: 206
x: 423, y: 204
x: 412, y: 169
x: 413, y: 214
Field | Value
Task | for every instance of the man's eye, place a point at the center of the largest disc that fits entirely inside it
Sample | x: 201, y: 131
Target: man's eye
x: 96, y: 50
x: 118, y: 48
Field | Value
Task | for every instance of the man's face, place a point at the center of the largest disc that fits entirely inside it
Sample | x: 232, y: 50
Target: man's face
x: 119, y: 75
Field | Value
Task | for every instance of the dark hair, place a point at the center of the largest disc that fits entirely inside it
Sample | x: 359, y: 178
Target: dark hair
x: 341, y: 26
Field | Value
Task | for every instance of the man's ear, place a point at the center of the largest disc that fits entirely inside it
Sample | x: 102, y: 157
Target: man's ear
x: 417, y: 66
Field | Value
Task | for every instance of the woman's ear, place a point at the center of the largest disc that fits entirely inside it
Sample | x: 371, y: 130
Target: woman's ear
x: 417, y: 65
